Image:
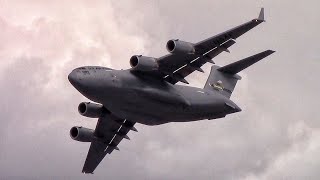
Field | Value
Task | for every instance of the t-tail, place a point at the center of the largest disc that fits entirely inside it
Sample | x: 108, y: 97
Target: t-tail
x: 224, y: 79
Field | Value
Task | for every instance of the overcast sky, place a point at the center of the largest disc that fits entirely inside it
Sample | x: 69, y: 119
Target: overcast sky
x: 276, y: 136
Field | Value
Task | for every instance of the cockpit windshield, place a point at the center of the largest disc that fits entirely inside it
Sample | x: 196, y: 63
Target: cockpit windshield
x: 93, y: 68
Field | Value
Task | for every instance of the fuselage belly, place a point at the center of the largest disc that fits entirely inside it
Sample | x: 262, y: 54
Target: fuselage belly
x: 148, y: 101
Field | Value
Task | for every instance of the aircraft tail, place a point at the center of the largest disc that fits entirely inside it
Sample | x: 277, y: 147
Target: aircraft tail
x: 224, y: 79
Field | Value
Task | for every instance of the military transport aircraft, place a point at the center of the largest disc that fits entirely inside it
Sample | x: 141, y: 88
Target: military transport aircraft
x: 148, y: 92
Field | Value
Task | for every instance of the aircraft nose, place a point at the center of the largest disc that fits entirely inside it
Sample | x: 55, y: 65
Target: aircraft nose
x: 72, y: 77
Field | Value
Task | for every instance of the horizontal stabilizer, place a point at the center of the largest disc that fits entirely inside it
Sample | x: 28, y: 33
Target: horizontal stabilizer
x: 238, y: 66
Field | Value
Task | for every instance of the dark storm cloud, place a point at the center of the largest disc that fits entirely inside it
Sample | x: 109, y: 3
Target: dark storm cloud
x: 276, y: 136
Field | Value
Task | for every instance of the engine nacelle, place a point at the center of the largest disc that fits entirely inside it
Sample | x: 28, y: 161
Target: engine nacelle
x: 91, y: 110
x: 177, y: 46
x: 81, y: 134
x: 143, y: 63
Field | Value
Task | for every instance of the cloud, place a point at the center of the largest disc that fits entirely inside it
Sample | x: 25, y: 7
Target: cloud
x: 40, y: 104
x: 299, y: 161
x: 275, y: 137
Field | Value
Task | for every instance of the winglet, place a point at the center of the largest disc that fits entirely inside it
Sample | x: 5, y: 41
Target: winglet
x: 261, y: 15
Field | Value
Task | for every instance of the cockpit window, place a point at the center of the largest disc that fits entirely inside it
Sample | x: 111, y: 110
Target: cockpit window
x: 94, y: 68
x: 105, y: 68
x: 85, y: 72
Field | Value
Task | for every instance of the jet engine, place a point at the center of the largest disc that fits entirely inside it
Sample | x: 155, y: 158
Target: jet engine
x: 81, y: 134
x: 177, y: 46
x: 143, y: 63
x: 91, y: 110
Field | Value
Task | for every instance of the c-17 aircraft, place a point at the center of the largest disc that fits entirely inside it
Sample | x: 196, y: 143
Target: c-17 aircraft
x: 148, y: 93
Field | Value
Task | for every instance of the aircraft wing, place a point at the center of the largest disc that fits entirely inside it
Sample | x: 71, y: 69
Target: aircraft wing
x: 175, y: 67
x: 109, y: 131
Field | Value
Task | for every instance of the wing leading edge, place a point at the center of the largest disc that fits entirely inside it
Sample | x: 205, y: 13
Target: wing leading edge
x: 175, y: 67
x: 109, y: 132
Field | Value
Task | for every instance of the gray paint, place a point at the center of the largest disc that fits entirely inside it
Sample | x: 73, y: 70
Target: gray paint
x: 147, y: 101
x: 277, y: 122
x: 144, y: 94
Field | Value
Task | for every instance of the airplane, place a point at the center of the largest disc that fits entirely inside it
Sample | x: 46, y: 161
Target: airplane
x: 148, y: 92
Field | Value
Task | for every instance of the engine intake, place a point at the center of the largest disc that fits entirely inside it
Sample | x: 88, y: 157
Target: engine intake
x: 177, y: 46
x: 81, y: 134
x: 143, y: 63
x: 91, y: 110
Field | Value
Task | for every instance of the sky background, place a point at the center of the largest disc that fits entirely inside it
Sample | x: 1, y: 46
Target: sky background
x: 276, y: 136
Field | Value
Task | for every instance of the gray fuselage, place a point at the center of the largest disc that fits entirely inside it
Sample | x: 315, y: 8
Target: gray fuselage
x: 148, y: 100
